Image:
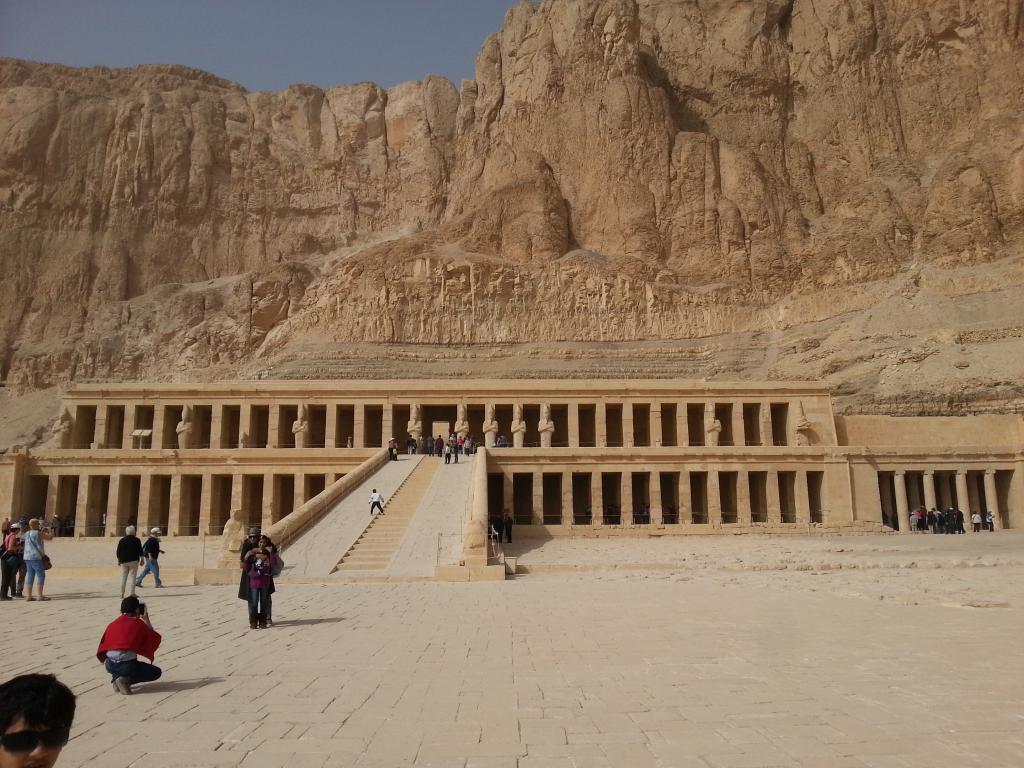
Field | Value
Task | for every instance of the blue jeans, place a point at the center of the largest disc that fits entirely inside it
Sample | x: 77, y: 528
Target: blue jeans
x: 34, y: 568
x: 259, y: 604
x: 151, y: 565
x: 136, y: 671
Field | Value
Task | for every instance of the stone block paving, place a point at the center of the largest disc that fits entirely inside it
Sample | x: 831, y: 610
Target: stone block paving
x: 720, y: 670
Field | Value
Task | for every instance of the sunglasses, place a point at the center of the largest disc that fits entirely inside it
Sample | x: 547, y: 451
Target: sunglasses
x: 26, y: 741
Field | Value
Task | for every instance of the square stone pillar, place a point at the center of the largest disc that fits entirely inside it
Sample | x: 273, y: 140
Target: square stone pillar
x: 803, y: 499
x: 245, y: 424
x: 274, y: 426
x: 237, y: 484
x: 205, y: 505
x: 657, y: 512
x: 774, y: 502
x: 84, y: 525
x: 50, y: 510
x: 596, y: 500
x: 506, y: 492
x: 991, y: 499
x: 626, y: 495
x: 765, y: 423
x: 902, y: 511
x: 685, y: 502
x: 601, y: 424
x: 267, y: 502
x: 682, y: 428
x: 100, y: 426
x: 743, y: 516
x: 714, y: 498
x: 217, y: 426
x: 386, y: 428
x: 962, y: 495
x: 574, y: 425
x: 628, y: 440
x: 929, y: 488
x: 146, y: 502
x: 331, y: 427
x: 130, y: 425
x: 174, y: 507
x: 656, y: 431
x: 359, y: 426
x: 115, y: 524
x: 567, y: 514
x: 737, y: 424
x: 537, y: 513
x: 160, y: 426
x: 299, y: 490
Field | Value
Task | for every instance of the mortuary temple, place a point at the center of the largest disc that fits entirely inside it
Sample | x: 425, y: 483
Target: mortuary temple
x: 584, y: 458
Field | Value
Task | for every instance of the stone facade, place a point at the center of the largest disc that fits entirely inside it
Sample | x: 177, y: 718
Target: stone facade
x: 587, y: 458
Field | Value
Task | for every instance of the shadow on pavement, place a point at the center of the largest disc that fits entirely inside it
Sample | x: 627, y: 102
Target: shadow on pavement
x: 178, y: 685
x: 304, y: 622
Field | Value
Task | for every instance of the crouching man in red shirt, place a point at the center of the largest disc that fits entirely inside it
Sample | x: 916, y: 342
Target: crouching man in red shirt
x: 125, y: 639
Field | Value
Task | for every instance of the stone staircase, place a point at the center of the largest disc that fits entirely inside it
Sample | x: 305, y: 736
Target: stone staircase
x: 376, y: 547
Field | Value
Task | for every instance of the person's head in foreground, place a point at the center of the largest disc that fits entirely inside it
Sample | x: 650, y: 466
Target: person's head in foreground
x: 36, y: 712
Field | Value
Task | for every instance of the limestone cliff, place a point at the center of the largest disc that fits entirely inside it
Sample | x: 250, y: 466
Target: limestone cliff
x: 771, y: 188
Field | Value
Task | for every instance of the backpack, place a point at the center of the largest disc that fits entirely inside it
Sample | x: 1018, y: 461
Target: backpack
x: 277, y: 567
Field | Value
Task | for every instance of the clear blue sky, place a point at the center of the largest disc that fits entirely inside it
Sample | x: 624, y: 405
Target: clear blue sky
x: 261, y: 44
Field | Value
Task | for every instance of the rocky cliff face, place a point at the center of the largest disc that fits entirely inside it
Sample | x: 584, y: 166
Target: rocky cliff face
x: 835, y: 187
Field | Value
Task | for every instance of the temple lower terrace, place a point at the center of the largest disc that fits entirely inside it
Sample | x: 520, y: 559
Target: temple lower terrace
x: 596, y: 458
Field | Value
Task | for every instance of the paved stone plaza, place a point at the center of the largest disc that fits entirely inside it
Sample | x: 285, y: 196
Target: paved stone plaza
x: 909, y: 654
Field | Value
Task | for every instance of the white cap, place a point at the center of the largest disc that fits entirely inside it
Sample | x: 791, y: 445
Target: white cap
x: 154, y: 530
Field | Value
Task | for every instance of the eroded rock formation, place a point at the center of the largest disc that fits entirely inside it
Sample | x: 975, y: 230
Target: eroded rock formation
x: 837, y: 186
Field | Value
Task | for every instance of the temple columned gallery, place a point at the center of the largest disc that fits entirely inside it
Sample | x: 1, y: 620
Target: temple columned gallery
x: 583, y: 458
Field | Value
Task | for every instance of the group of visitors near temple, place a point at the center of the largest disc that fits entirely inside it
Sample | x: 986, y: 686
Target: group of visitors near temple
x: 23, y: 559
x: 449, y: 449
x: 950, y: 521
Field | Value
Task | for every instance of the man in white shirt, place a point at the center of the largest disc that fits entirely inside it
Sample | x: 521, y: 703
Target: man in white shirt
x: 376, y: 500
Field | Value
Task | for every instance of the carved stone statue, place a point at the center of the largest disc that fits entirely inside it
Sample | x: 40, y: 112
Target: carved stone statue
x: 231, y: 539
x: 61, y: 430
x: 545, y: 426
x: 300, y: 427
x: 415, y: 425
x: 184, y: 428
x: 461, y: 422
x: 518, y: 426
x: 490, y: 426
x: 243, y: 440
x: 802, y: 426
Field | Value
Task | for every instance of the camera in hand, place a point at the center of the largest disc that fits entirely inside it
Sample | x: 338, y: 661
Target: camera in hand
x: 142, y: 609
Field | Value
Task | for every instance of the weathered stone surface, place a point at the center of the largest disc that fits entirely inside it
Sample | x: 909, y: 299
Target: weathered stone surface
x: 839, y: 190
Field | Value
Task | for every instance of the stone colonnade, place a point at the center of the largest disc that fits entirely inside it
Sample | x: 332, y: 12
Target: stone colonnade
x: 975, y: 489
x: 612, y: 496
x: 600, y: 422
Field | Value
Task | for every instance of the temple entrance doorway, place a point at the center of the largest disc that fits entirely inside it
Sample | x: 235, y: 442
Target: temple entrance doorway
x: 439, y: 419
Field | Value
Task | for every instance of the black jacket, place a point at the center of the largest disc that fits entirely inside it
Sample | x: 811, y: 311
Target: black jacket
x: 129, y: 549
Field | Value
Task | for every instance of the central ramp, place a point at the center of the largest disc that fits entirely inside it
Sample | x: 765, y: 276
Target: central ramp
x: 317, y: 551
x: 376, y: 548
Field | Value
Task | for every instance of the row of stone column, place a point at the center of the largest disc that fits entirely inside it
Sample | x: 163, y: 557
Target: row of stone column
x: 962, y: 493
x: 185, y: 436
x: 713, y: 497
x: 88, y: 517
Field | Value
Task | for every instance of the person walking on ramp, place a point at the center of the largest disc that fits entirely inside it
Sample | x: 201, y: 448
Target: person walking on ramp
x: 376, y: 500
